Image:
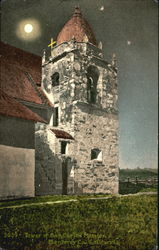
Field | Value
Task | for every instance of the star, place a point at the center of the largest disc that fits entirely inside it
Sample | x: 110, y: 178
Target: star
x: 101, y: 8
x: 128, y: 42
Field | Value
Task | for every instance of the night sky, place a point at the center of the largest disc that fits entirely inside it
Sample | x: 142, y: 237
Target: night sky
x: 127, y: 28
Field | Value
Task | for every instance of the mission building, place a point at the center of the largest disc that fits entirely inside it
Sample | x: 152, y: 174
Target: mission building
x: 70, y: 145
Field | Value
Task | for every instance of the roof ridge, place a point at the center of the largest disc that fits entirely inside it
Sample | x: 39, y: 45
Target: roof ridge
x: 29, y: 76
x: 36, y: 88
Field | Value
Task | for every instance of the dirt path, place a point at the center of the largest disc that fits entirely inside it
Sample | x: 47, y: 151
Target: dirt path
x: 39, y: 203
x: 74, y: 200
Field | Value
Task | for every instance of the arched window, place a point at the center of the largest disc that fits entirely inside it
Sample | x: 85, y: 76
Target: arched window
x: 92, y: 78
x: 55, y: 79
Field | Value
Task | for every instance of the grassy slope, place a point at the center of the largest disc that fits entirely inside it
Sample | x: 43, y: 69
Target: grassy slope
x: 117, y: 223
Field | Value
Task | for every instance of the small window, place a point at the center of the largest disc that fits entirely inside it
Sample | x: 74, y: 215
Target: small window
x: 55, y: 79
x: 56, y: 116
x: 63, y: 147
x: 96, y: 154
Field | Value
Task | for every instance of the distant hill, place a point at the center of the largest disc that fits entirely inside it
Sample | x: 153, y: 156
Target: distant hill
x: 145, y: 173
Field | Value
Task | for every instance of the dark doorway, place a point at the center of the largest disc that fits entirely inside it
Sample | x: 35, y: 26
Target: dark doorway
x: 64, y: 176
x: 63, y: 147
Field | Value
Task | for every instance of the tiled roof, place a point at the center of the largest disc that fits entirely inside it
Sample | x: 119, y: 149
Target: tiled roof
x: 62, y: 134
x: 10, y: 107
x: 77, y: 28
x: 27, y: 61
x: 21, y: 74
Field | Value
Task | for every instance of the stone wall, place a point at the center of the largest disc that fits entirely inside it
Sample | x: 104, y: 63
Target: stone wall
x: 49, y: 171
x: 73, y: 72
x: 85, y: 48
x: 93, y: 125
x: 95, y: 128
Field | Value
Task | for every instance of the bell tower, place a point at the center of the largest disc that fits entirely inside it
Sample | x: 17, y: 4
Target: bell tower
x: 83, y: 89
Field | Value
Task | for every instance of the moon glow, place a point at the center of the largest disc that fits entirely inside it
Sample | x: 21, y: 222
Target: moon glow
x: 28, y: 29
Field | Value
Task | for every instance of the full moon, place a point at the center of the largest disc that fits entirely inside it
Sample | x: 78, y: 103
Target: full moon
x: 28, y: 28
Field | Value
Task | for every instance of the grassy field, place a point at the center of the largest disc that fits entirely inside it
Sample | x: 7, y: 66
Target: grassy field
x: 115, y: 223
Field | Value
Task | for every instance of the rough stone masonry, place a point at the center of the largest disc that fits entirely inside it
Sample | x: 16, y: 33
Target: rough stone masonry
x: 83, y: 89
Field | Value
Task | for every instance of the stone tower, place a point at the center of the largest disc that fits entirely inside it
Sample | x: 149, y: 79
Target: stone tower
x: 82, y: 87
